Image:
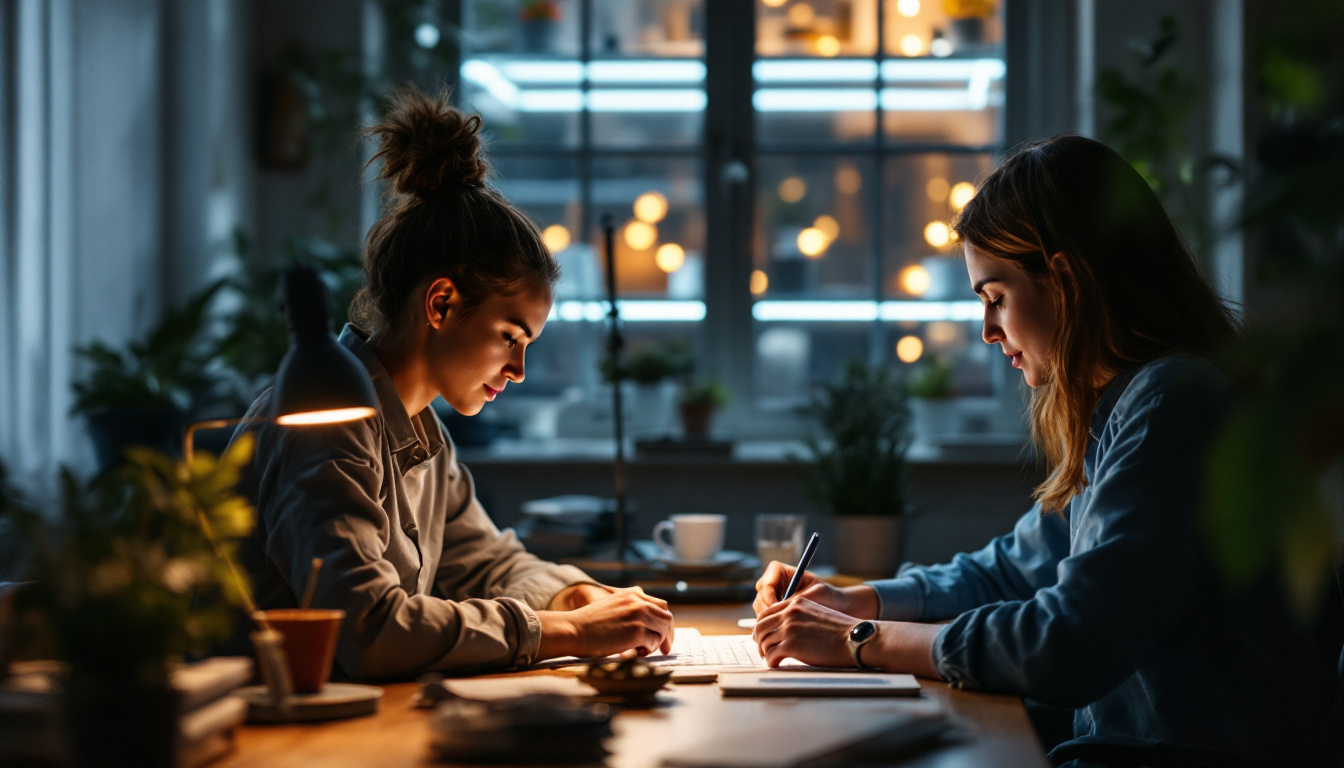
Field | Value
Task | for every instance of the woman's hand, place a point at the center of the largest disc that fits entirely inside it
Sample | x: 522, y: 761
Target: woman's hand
x: 859, y: 601
x: 579, y: 595
x: 616, y: 622
x: 804, y: 630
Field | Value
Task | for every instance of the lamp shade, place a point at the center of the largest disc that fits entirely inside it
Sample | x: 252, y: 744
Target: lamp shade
x: 319, y: 381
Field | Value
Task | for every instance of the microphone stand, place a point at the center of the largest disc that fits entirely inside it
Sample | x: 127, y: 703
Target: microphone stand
x: 614, y: 344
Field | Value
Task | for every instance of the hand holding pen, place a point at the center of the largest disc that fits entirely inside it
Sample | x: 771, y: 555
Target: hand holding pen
x: 780, y: 583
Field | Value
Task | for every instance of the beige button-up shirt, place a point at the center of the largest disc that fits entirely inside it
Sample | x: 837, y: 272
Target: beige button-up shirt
x: 426, y: 580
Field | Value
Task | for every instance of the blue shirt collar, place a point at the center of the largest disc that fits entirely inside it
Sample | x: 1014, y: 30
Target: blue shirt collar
x: 401, y: 433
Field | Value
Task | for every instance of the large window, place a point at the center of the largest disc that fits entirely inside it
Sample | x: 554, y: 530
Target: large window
x: 870, y: 120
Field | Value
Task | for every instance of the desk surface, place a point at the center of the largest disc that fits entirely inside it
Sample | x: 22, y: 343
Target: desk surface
x: 996, y: 727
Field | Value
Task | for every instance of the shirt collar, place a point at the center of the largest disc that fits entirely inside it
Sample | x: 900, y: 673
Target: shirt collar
x: 400, y: 431
x: 1109, y: 398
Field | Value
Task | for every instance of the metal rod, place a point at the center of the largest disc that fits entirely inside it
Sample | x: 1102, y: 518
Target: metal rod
x: 614, y: 343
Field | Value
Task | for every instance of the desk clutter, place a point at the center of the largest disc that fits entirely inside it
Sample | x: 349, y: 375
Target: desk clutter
x: 33, y: 718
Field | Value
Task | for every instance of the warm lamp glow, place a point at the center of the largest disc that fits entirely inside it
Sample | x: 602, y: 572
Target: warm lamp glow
x: 792, y: 189
x: 556, y: 238
x: 962, y: 194
x: 912, y: 45
x: 335, y: 416
x: 801, y: 15
x: 848, y: 180
x: 759, y: 282
x: 774, y: 3
x: 813, y: 242
x: 670, y: 257
x: 937, y: 234
x: 908, y: 8
x: 915, y: 280
x: 942, y: 333
x: 640, y: 235
x: 909, y: 349
x: 828, y: 225
x: 651, y: 207
x: 828, y: 46
x: 937, y: 189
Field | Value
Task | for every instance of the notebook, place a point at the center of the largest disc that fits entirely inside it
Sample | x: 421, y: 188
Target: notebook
x: 817, y: 683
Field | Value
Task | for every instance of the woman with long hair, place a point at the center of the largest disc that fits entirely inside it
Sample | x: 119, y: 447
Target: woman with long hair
x: 459, y: 287
x: 1102, y: 599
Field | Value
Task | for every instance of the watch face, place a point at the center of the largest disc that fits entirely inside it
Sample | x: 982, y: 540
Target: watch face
x: 862, y: 631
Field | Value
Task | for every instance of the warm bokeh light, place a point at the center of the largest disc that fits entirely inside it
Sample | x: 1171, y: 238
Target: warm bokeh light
x: 940, y: 47
x: 961, y: 194
x: 828, y: 46
x: 640, y: 235
x: 909, y: 349
x: 334, y: 416
x: 813, y: 242
x: 669, y: 257
x: 792, y: 189
x: 912, y: 45
x: 651, y: 207
x: 759, y: 282
x: 942, y: 333
x: 938, y: 234
x: 937, y: 189
x: 915, y: 280
x: 556, y: 238
x: 801, y: 15
x: 828, y: 225
x: 774, y: 3
x: 848, y: 180
x: 907, y: 8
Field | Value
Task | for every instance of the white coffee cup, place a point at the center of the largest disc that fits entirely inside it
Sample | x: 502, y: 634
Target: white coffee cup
x: 695, y: 538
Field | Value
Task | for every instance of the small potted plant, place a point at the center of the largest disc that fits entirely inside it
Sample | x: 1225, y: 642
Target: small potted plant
x: 698, y: 403
x: 126, y: 582
x: 858, y: 467
x: 652, y: 371
x: 142, y: 395
x: 930, y: 388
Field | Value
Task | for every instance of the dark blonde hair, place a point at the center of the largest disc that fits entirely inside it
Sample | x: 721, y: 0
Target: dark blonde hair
x: 444, y: 219
x: 1086, y: 227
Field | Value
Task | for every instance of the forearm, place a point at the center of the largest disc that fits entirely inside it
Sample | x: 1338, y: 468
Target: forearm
x: 903, y: 647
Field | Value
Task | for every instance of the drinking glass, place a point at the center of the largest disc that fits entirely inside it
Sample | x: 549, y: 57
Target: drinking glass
x: 780, y: 537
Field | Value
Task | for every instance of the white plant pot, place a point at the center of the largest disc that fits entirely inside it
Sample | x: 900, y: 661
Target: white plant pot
x: 932, y: 419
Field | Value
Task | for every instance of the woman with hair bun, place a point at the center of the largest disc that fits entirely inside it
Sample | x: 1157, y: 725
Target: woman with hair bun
x: 459, y: 286
x: 1103, y: 599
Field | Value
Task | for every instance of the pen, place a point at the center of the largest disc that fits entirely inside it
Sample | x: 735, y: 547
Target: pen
x: 808, y: 552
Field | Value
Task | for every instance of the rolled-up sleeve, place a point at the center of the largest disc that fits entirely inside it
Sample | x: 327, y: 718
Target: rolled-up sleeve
x: 1011, y: 567
x: 1128, y: 580
x: 325, y: 504
x: 479, y: 559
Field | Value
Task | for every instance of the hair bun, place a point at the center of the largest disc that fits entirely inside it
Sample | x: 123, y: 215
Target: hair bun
x: 428, y: 145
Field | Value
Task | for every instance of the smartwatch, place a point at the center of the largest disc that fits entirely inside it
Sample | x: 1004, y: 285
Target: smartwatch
x: 859, y: 636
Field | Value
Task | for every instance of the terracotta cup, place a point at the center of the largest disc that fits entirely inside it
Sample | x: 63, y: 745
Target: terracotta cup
x: 310, y: 643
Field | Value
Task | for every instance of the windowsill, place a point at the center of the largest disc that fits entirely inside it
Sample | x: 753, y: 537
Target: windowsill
x: 978, y: 449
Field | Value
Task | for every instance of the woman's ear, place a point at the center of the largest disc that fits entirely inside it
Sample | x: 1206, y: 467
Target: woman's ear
x: 1059, y: 264
x: 442, y: 299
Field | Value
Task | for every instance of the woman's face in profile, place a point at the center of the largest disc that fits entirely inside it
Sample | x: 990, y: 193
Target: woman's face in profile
x: 1019, y: 315
x: 475, y: 357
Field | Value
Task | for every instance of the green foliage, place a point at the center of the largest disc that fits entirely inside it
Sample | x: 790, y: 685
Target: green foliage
x: 256, y: 339
x: 654, y: 363
x: 124, y: 576
x: 709, y: 392
x: 859, y: 469
x: 170, y: 368
x: 1276, y: 474
x: 932, y: 380
x: 1149, y: 125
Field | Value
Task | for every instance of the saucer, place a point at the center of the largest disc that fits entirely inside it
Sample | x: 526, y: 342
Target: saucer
x: 724, y: 560
x: 336, y: 701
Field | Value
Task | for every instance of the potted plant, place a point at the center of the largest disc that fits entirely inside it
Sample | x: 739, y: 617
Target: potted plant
x: 142, y: 395
x: 126, y: 582
x: 858, y: 469
x: 968, y: 20
x: 698, y: 403
x: 651, y: 371
x: 930, y: 389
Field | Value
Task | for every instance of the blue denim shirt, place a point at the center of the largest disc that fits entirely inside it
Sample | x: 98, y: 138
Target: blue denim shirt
x: 1116, y: 611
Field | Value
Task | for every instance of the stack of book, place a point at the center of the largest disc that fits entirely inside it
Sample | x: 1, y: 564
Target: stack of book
x: 31, y: 723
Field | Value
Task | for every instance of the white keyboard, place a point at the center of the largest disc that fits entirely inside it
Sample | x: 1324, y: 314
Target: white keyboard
x: 692, y: 649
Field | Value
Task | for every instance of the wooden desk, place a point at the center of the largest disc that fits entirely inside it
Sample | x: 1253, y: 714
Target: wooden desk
x: 996, y: 727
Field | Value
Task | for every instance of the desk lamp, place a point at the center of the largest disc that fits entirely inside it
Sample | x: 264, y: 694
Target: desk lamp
x: 319, y: 382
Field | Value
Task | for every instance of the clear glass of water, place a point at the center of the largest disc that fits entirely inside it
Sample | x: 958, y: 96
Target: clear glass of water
x: 780, y: 537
